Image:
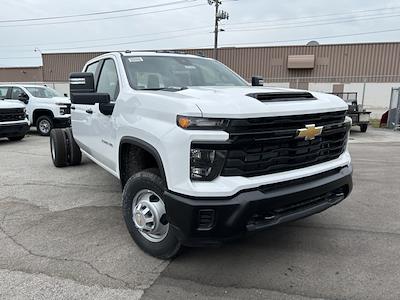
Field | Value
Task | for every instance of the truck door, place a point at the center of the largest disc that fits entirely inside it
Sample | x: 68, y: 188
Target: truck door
x: 105, y: 124
x: 81, y: 116
x: 97, y: 131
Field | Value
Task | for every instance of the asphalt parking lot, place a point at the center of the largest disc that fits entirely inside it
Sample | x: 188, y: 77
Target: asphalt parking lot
x: 62, y: 236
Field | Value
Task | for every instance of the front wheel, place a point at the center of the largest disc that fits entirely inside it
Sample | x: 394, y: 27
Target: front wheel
x: 145, y: 215
x: 44, y: 125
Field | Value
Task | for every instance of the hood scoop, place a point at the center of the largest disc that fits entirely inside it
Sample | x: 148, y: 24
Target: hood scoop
x: 280, y: 97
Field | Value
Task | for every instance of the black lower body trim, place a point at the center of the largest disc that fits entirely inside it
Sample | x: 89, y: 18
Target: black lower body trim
x: 13, y: 130
x: 205, y: 221
x: 62, y: 122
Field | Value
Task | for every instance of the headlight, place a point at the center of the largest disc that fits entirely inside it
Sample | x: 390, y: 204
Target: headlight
x: 63, y: 110
x: 196, y: 123
x: 205, y: 164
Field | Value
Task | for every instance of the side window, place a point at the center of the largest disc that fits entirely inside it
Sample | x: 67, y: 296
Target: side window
x: 16, y: 91
x: 92, y: 68
x: 3, y: 92
x: 108, y: 80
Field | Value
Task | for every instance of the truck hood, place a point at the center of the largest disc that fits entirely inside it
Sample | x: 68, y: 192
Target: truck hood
x: 6, y: 104
x: 61, y: 100
x: 234, y: 102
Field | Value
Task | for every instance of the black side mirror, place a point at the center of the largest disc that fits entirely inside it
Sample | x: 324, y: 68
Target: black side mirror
x: 82, y: 90
x: 257, y: 81
x: 90, y: 98
x: 23, y: 97
x: 81, y: 83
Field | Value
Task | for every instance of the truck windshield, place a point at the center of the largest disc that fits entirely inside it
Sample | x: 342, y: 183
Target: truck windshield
x: 43, y: 92
x: 161, y: 72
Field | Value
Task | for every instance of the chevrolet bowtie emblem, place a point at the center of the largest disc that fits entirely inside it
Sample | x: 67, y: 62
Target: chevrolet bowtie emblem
x: 310, y: 132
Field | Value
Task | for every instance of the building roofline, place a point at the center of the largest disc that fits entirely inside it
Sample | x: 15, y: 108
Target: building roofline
x: 308, y: 46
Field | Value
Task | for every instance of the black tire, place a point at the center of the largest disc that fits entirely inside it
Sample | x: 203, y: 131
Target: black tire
x: 16, y: 138
x: 74, y: 152
x: 364, y: 127
x: 44, y: 125
x: 147, y: 180
x: 58, y: 148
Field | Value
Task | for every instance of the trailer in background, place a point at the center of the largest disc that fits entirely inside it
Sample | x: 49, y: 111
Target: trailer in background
x: 356, y: 112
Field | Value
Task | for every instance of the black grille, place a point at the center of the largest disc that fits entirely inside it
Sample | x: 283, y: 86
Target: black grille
x: 269, y: 145
x: 12, y: 114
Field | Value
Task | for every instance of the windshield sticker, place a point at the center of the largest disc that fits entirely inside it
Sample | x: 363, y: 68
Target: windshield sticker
x: 190, y: 67
x: 135, y: 59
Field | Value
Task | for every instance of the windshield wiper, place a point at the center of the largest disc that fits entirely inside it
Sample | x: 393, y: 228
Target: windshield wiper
x: 168, y: 89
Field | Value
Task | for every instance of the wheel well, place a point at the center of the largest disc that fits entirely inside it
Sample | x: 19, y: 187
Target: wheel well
x: 41, y: 112
x: 135, y: 157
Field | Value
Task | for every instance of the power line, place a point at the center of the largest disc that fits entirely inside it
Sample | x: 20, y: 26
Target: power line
x: 106, y: 39
x: 103, y: 18
x: 125, y: 43
x: 315, y: 16
x: 301, y: 25
x: 98, y: 13
x: 197, y: 28
x: 314, y: 38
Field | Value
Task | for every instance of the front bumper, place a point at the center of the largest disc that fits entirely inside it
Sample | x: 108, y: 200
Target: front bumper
x: 62, y: 122
x: 206, y: 221
x: 13, y: 130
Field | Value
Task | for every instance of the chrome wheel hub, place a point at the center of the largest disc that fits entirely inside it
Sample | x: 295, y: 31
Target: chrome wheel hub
x: 149, y: 216
x: 44, y: 126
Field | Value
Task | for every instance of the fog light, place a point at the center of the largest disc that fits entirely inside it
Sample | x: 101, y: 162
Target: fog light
x: 206, y: 219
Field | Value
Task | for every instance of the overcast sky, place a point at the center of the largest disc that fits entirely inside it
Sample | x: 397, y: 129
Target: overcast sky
x: 187, y: 24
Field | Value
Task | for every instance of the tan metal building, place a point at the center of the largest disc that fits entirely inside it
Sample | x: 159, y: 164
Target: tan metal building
x: 370, y: 69
x: 27, y: 74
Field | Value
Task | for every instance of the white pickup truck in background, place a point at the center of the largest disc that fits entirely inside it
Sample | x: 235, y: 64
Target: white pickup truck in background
x: 13, y: 122
x: 45, y: 107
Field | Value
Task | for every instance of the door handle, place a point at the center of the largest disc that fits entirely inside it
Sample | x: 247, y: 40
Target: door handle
x: 89, y: 111
x: 73, y: 107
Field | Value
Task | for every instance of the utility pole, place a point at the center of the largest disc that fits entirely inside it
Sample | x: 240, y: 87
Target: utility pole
x: 41, y: 56
x: 219, y: 15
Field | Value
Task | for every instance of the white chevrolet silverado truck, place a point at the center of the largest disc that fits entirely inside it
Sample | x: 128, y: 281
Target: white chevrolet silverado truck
x: 204, y: 157
x: 45, y: 107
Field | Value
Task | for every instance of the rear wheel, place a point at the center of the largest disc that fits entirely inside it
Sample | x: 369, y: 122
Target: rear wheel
x: 364, y: 127
x: 16, y: 138
x: 74, y: 152
x: 58, y: 147
x: 145, y: 215
x: 44, y: 125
